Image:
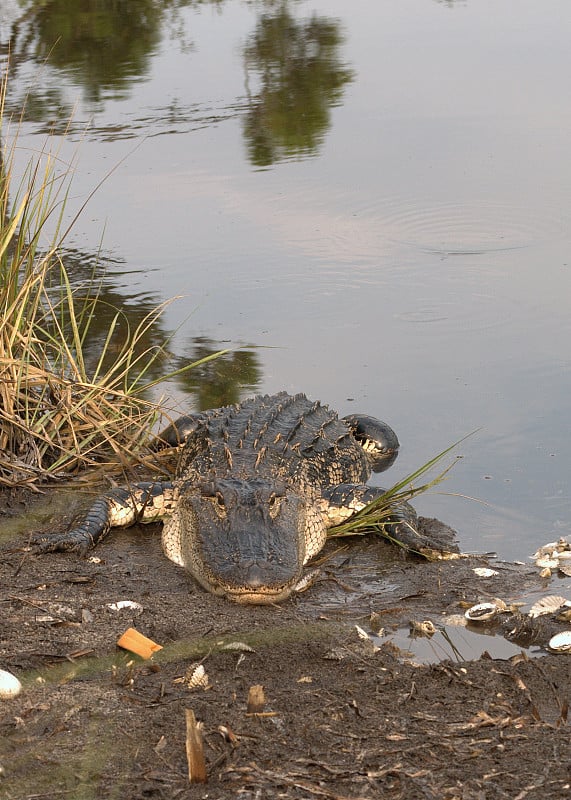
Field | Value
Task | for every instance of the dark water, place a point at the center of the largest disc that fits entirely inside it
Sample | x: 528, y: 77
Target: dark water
x: 367, y: 203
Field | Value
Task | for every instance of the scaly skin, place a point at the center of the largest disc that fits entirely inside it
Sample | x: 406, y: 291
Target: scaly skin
x: 257, y: 487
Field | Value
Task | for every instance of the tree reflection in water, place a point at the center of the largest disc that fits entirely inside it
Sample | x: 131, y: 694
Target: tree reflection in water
x: 301, y: 78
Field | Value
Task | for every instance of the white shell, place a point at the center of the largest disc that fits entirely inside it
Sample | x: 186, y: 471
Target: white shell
x: 120, y: 605
x: 482, y: 612
x: 10, y: 686
x: 547, y: 605
x: 485, y: 572
x: 547, y: 562
x: 196, y: 677
x: 561, y: 642
x: 565, y: 567
x: 552, y: 549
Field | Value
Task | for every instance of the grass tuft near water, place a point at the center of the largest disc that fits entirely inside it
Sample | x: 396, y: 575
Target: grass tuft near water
x: 56, y: 416
x: 378, y: 516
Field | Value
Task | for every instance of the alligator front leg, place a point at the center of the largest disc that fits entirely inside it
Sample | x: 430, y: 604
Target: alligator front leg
x: 143, y: 502
x: 401, y: 524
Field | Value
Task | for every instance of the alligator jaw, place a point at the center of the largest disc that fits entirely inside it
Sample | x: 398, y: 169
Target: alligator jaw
x: 259, y: 598
x: 256, y: 592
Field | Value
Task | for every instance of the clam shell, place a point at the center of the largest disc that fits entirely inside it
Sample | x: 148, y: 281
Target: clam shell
x: 561, y: 642
x: 547, y: 562
x: 10, y: 686
x: 485, y: 572
x: 552, y: 548
x: 196, y: 677
x: 482, y: 612
x: 565, y: 567
x: 547, y: 605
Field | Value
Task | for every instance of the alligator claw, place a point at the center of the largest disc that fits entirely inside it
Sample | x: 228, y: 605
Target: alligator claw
x: 71, y: 542
x: 430, y: 538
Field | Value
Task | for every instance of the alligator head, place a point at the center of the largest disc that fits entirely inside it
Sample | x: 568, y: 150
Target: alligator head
x: 245, y: 539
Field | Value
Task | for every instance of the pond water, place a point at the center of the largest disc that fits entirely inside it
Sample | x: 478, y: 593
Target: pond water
x: 370, y: 204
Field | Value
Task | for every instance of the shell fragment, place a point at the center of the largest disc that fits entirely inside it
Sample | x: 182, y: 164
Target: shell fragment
x: 122, y: 605
x: 547, y: 605
x: 482, y: 612
x: 196, y: 677
x: 552, y: 556
x: 560, y: 643
x: 10, y: 686
x: 423, y: 628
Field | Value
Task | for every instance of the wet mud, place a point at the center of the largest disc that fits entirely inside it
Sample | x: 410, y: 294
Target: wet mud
x: 354, y: 705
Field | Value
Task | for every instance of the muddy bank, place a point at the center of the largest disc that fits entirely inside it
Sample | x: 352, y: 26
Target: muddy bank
x: 460, y: 715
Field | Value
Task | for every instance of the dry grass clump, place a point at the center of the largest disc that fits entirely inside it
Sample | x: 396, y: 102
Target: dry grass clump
x: 56, y: 417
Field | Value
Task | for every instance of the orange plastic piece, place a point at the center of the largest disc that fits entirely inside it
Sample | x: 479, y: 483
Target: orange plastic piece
x: 136, y: 643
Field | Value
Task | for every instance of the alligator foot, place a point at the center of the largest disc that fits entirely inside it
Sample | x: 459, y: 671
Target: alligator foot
x: 354, y: 504
x: 429, y: 538
x: 119, y: 508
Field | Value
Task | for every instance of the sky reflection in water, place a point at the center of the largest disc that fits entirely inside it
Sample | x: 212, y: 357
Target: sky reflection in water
x: 374, y: 206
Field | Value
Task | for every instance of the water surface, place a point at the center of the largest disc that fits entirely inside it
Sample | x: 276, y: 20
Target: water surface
x: 372, y: 206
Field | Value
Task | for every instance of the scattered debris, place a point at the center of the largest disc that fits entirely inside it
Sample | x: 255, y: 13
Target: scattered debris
x: 560, y: 643
x: 553, y: 556
x: 485, y: 572
x: 256, y: 699
x: 335, y: 654
x: 548, y: 605
x: 195, y: 677
x: 194, y: 749
x: 228, y: 734
x: 362, y: 634
x: 10, y: 686
x: 423, y: 628
x: 482, y: 612
x: 136, y: 643
x: 122, y: 605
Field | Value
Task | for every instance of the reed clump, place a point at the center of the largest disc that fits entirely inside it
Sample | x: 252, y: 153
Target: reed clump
x: 57, y: 416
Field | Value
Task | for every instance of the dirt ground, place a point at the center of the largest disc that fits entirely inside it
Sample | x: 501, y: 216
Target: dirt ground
x: 349, y: 712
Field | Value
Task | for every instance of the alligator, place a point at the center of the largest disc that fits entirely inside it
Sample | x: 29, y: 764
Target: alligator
x: 257, y: 487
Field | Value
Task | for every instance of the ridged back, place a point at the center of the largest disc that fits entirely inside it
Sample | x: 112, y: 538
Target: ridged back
x: 278, y: 437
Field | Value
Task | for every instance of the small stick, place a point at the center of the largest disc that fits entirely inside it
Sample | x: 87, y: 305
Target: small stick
x: 194, y: 749
x: 256, y: 699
